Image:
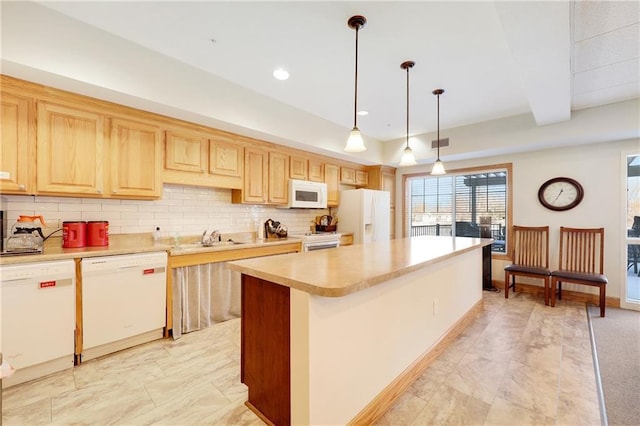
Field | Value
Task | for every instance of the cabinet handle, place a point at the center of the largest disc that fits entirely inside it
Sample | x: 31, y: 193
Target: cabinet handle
x: 99, y: 191
x: 22, y: 187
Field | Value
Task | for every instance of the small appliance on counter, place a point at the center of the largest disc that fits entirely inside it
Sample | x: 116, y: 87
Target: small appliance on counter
x: 26, y: 236
x: 98, y: 233
x: 274, y: 229
x: 74, y: 234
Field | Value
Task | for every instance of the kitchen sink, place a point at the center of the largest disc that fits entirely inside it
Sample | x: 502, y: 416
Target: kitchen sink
x: 198, y: 244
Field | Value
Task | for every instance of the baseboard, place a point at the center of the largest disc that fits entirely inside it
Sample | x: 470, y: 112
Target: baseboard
x: 574, y: 296
x: 385, y: 399
x: 98, y: 351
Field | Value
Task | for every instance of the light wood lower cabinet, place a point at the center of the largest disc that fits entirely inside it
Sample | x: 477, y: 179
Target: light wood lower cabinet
x: 17, y: 153
x: 70, y: 151
x: 346, y: 239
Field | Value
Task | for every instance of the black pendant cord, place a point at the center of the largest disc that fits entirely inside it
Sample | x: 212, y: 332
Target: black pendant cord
x: 407, y: 107
x: 355, y: 96
x: 438, y: 133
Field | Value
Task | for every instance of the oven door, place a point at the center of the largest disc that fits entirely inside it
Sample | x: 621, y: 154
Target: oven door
x: 319, y: 245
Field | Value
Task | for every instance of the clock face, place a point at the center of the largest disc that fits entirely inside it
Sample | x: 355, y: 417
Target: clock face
x: 560, y: 193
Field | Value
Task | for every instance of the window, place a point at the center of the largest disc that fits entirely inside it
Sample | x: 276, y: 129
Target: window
x: 465, y: 203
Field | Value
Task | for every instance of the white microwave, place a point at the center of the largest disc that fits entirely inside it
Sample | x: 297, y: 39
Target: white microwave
x: 304, y: 194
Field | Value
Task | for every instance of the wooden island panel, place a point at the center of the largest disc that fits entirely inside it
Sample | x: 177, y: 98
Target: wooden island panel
x: 265, y: 361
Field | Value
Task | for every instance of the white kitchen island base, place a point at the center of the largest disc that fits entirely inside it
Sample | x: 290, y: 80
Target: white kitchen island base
x: 311, y: 358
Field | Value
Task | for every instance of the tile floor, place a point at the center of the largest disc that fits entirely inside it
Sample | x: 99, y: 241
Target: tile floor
x: 519, y: 363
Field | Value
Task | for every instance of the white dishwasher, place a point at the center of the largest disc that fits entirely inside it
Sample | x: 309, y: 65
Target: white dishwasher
x: 38, y: 317
x: 123, y: 301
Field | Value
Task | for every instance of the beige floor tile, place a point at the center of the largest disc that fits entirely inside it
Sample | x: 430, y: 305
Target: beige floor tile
x: 403, y: 412
x: 451, y: 407
x: 36, y: 390
x: 531, y: 388
x: 428, y: 383
x: 505, y: 413
x: 477, y: 376
x: 36, y: 413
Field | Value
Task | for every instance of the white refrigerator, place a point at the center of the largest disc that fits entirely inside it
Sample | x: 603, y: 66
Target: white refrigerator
x: 366, y: 213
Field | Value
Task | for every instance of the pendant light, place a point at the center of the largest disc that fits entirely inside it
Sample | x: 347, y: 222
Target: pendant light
x: 438, y: 167
x: 355, y: 142
x: 407, y: 159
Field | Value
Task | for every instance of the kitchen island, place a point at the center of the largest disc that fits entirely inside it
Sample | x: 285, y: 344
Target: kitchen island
x: 333, y: 336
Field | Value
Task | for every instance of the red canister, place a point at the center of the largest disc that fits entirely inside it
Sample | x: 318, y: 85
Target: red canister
x: 98, y: 233
x: 74, y: 234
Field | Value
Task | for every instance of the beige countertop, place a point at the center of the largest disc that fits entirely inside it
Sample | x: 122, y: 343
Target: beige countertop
x: 344, y: 270
x: 141, y: 243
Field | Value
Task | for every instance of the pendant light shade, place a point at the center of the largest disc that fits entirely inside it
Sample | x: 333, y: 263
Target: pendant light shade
x: 355, y: 142
x: 438, y: 167
x: 408, y: 159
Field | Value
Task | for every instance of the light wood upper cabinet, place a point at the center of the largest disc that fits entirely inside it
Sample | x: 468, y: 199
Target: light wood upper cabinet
x: 226, y: 156
x: 298, y: 168
x: 186, y: 152
x: 70, y: 151
x: 332, y: 179
x: 17, y: 153
x: 362, y: 178
x: 136, y: 159
x: 256, y: 177
x: 316, y: 171
x: 278, y: 178
x: 347, y: 175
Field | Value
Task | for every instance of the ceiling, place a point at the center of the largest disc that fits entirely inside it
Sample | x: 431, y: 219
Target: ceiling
x: 493, y: 59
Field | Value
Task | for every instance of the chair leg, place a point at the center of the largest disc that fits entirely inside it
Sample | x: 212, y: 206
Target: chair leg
x: 506, y: 284
x: 603, y: 298
x: 559, y: 290
x: 546, y: 291
x: 552, y: 292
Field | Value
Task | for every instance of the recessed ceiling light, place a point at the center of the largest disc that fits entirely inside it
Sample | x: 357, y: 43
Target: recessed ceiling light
x: 362, y: 112
x: 281, y: 74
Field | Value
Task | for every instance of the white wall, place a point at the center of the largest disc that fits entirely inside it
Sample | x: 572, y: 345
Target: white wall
x: 186, y: 210
x: 598, y: 167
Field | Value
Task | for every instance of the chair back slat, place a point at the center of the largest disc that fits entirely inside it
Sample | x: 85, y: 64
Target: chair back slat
x: 531, y: 246
x: 582, y: 250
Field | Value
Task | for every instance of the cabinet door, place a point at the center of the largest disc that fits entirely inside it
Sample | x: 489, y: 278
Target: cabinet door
x: 298, y: 168
x: 347, y: 175
x: 136, y: 159
x: 186, y: 152
x: 332, y: 179
x: 17, y: 153
x: 362, y: 178
x: 316, y: 171
x: 389, y: 184
x: 278, y: 178
x: 70, y: 151
x: 225, y: 156
x: 256, y: 176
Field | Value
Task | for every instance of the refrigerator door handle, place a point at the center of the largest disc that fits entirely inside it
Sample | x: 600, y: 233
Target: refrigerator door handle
x: 373, y: 219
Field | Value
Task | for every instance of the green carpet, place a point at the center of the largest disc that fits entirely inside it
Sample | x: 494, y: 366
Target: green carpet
x: 617, y: 343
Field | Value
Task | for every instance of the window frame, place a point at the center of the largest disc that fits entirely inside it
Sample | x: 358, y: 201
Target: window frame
x: 464, y: 171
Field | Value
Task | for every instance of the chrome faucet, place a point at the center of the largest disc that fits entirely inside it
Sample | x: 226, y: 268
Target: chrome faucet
x: 212, y: 238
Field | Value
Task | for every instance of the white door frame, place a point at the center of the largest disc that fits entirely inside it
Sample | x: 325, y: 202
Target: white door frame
x: 625, y: 240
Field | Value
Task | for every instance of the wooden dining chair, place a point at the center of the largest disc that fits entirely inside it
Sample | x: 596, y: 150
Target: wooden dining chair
x: 530, y: 257
x: 581, y: 261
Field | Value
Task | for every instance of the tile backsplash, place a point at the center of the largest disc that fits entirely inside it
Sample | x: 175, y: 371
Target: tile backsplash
x: 183, y: 210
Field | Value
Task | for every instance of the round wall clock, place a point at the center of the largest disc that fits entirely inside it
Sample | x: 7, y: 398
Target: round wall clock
x: 561, y: 193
